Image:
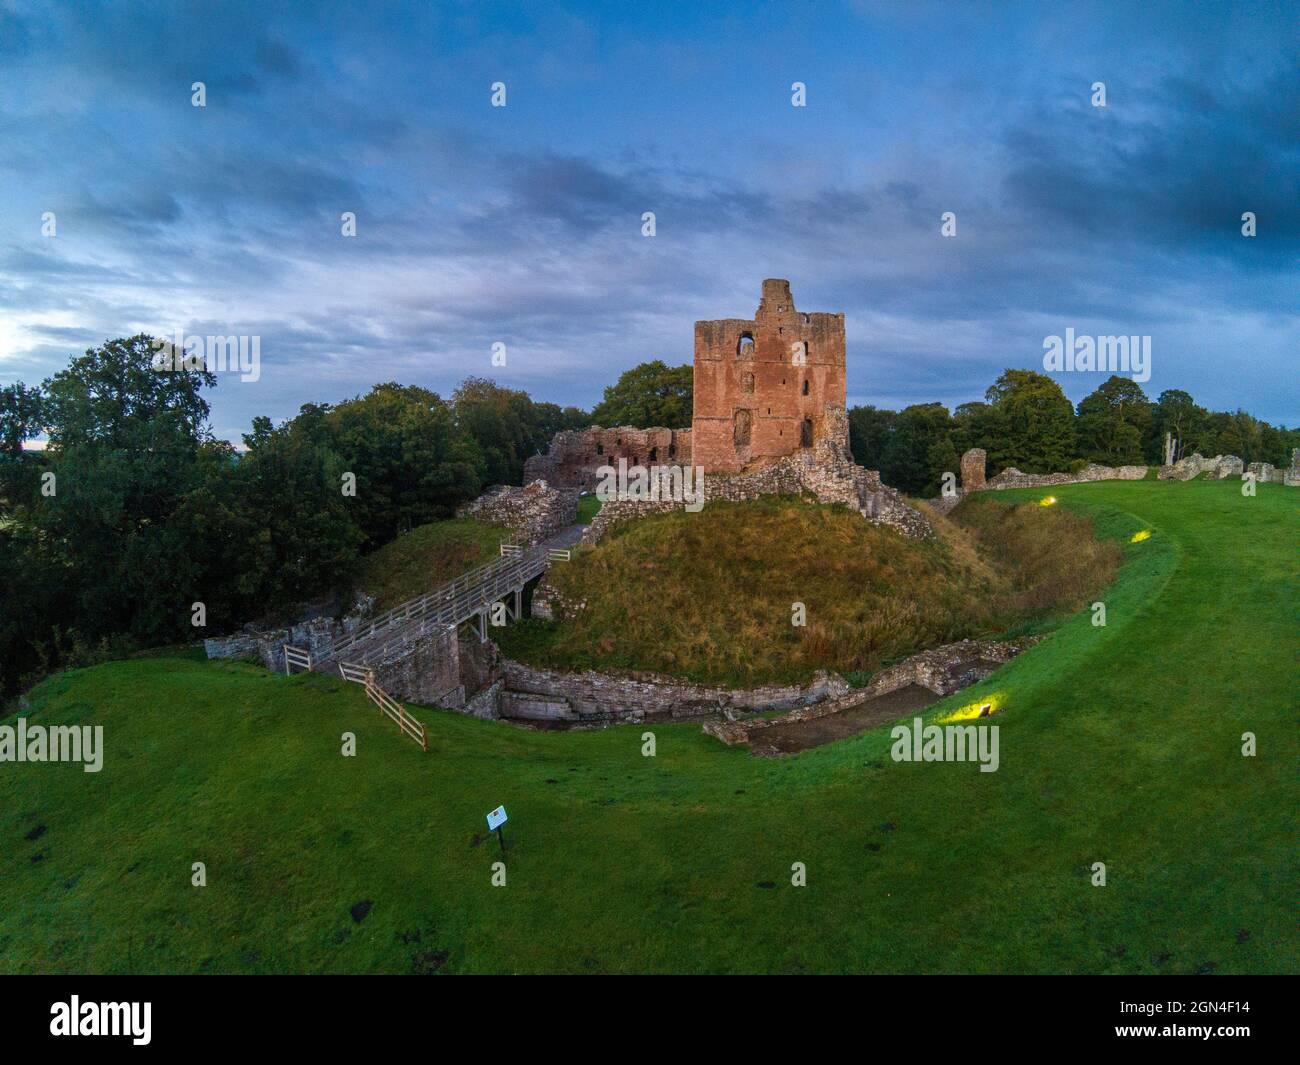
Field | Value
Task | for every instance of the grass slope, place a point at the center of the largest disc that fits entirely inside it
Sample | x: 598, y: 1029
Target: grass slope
x: 1119, y: 744
x: 695, y: 595
x: 427, y: 556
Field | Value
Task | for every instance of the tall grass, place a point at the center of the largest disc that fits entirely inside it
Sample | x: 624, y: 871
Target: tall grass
x: 712, y: 596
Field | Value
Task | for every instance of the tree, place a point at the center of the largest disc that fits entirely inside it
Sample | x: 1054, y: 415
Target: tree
x: 21, y: 411
x: 124, y: 445
x: 919, y: 450
x: 1114, y: 421
x: 1032, y: 422
x: 413, y: 462
x: 869, y: 431
x: 1175, y: 412
x: 649, y: 396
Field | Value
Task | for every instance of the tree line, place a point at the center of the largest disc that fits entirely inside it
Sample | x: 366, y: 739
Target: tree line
x: 1025, y: 420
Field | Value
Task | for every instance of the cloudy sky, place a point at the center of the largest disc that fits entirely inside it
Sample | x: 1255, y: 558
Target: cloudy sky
x: 522, y: 224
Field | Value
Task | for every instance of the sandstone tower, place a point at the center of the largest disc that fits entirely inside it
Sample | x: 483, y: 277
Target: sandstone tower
x: 762, y: 387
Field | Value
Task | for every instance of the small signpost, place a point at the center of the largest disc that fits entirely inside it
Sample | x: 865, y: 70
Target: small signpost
x: 495, y: 820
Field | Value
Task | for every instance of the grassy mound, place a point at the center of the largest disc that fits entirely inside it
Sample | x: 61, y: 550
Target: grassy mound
x: 1120, y: 744
x: 710, y: 596
x: 420, y: 560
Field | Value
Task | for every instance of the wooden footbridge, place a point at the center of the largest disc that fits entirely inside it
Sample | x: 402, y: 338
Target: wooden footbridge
x: 472, y: 595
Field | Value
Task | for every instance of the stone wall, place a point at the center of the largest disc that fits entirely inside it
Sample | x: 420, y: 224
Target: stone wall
x: 1292, y: 476
x: 1266, y: 473
x: 1196, y: 464
x: 825, y: 472
x: 762, y: 385
x: 533, y: 694
x: 425, y: 669
x: 576, y: 455
x: 240, y: 645
x: 942, y: 670
x: 972, y: 469
x: 535, y: 512
x: 1013, y: 478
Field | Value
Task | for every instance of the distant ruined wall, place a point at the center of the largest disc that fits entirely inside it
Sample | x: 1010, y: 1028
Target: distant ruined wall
x: 1194, y: 465
x: 576, y: 454
x: 1013, y: 478
x: 972, y: 469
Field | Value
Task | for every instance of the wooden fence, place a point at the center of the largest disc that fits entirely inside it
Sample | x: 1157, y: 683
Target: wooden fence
x: 365, y: 676
x: 295, y: 656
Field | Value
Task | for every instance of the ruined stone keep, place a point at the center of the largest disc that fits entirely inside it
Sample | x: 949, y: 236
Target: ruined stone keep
x: 762, y: 386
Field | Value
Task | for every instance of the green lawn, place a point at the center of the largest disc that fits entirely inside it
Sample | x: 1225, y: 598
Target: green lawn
x: 588, y: 508
x: 1119, y: 744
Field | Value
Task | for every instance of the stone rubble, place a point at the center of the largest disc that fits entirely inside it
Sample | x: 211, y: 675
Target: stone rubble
x: 535, y: 512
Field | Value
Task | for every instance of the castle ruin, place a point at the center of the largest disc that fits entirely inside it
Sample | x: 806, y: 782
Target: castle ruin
x: 762, y: 385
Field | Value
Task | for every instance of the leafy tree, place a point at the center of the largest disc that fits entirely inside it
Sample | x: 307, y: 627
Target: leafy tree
x: 649, y: 396
x: 412, y: 462
x: 503, y: 422
x: 1114, y: 421
x: 869, y: 431
x: 124, y: 444
x: 919, y: 450
x: 1175, y: 412
x: 20, y: 420
x: 1033, y: 421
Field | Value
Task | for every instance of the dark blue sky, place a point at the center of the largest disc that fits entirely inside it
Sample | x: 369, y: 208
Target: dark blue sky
x: 523, y: 224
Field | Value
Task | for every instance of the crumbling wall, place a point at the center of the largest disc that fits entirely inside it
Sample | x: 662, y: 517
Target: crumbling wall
x: 535, y: 512
x: 1013, y: 478
x: 576, y: 455
x: 972, y: 469
x: 826, y: 473
x: 942, y: 670
x: 1196, y: 464
x: 530, y: 693
x: 762, y: 385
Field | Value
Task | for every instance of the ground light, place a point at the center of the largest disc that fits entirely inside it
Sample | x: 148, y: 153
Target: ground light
x: 1047, y: 501
x: 1139, y: 536
x: 985, y: 706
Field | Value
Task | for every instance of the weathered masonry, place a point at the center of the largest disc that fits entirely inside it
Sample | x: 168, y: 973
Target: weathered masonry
x: 762, y: 386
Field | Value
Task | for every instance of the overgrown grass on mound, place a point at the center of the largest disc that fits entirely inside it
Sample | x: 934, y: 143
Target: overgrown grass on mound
x: 710, y: 596
x: 427, y: 556
x: 588, y: 508
x: 1120, y: 744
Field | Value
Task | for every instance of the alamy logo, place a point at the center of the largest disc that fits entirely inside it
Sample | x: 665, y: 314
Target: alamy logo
x: 57, y: 743
x: 102, y: 1018
x: 1084, y: 354
x: 654, y: 484
x: 947, y: 743
x: 216, y: 354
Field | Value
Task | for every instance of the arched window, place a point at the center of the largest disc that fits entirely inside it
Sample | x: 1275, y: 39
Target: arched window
x: 805, y: 386
x: 654, y: 454
x: 600, y: 449
x: 805, y: 433
x: 745, y: 345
